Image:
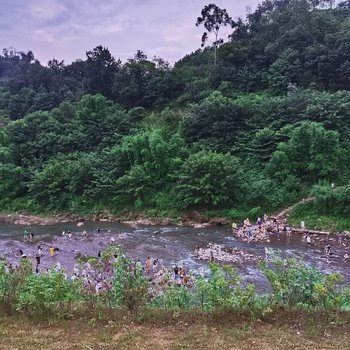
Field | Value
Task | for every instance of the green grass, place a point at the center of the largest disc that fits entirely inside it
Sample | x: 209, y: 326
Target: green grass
x: 282, y: 331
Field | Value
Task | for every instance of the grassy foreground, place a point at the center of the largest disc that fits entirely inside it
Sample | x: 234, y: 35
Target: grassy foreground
x: 282, y: 330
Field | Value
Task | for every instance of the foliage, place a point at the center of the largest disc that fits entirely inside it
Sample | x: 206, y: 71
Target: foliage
x: 62, y: 180
x: 130, y: 286
x: 213, y: 18
x: 223, y: 291
x: 174, y: 298
x: 258, y: 129
x: 311, y: 153
x: 329, y: 210
x: 39, y: 293
x: 215, y: 121
x: 315, y: 220
x: 330, y: 200
x: 296, y: 284
x: 207, y: 178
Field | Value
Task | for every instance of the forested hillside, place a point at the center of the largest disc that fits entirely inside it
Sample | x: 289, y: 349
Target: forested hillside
x: 262, y: 126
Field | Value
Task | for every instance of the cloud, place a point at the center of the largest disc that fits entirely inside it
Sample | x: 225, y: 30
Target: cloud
x: 66, y: 29
x: 45, y: 9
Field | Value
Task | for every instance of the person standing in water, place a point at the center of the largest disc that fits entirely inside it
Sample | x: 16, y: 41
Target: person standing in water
x: 196, y: 251
x: 234, y: 228
x: 31, y: 236
x: 212, y: 259
x: 51, y: 251
x: 308, y: 238
x: 328, y: 250
x: 176, y: 275
x: 148, y: 264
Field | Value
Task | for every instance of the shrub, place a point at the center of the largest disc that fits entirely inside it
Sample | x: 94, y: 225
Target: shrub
x: 130, y: 286
x: 40, y: 294
x: 296, y: 284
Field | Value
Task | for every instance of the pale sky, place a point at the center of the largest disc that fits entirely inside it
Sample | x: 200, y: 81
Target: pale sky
x: 66, y: 29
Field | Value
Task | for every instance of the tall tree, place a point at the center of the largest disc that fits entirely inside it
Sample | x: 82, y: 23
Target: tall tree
x: 213, y: 18
x: 100, y: 69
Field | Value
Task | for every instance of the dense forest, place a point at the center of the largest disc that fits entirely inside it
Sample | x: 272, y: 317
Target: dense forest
x: 247, y: 125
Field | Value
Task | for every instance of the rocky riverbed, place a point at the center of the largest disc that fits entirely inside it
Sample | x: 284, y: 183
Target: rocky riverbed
x: 185, y: 246
x: 193, y: 219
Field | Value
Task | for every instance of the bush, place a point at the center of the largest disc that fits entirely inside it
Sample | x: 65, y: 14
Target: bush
x: 41, y: 294
x: 174, y: 297
x: 130, y: 286
x: 295, y: 284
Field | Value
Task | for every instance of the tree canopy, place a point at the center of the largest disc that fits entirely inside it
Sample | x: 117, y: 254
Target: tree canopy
x: 265, y: 126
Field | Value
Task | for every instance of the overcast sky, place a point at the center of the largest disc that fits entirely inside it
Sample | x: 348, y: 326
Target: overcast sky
x: 66, y: 29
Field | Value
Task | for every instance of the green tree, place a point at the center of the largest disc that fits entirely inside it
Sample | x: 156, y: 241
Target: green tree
x: 208, y: 179
x: 215, y: 121
x: 213, y: 18
x: 62, y: 182
x: 312, y: 153
x: 100, y: 68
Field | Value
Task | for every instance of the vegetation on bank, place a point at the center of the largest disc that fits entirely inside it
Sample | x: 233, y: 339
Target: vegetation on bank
x: 293, y: 286
x: 263, y: 127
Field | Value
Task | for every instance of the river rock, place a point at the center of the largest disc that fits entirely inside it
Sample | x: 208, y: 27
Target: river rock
x: 219, y: 221
x: 146, y: 222
x: 132, y: 224
x: 194, y: 216
x: 219, y: 253
x: 206, y: 224
x: 167, y: 222
x: 6, y: 219
x: 80, y: 223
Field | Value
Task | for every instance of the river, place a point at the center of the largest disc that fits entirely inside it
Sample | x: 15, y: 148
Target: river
x: 171, y: 244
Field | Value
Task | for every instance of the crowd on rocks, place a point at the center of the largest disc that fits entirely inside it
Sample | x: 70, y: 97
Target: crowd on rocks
x: 217, y: 252
x: 264, y: 229
x: 261, y: 230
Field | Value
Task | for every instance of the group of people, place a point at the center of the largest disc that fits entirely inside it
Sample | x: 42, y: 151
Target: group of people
x: 28, y: 236
x: 68, y: 234
x: 39, y: 254
x: 97, y: 278
x: 264, y: 228
x: 261, y: 230
x: 100, y: 277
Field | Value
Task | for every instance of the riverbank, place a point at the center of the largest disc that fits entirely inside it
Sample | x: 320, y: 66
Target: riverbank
x: 192, y: 330
x: 192, y: 218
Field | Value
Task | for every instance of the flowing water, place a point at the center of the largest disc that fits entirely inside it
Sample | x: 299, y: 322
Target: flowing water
x: 171, y: 244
